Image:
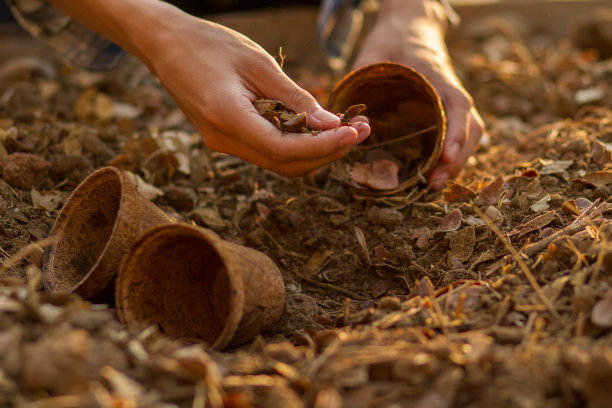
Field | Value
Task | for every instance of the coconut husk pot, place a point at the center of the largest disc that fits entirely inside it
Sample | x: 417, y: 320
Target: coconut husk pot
x: 97, y: 226
x: 399, y: 101
x: 192, y: 284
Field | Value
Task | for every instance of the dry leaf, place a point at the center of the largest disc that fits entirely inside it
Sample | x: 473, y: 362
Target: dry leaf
x: 455, y: 192
x: 362, y: 242
x: 316, y: 262
x: 149, y: 191
x: 422, y: 235
x: 451, y: 222
x: 597, y: 178
x: 555, y: 167
x: 541, y: 205
x: 534, y: 188
x: 601, y: 315
x: 209, y: 217
x: 379, y: 175
x: 45, y: 201
x: 462, y: 243
x: 491, y: 192
x: 600, y: 154
x: 123, y: 110
x: 488, y: 255
x: 553, y: 289
x: 121, y: 384
x: 494, y: 214
x: 576, y: 206
x: 103, y: 107
x: 381, y: 254
x: 536, y: 223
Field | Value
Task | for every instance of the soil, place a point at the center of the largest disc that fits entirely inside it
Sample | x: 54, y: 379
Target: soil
x: 494, y: 292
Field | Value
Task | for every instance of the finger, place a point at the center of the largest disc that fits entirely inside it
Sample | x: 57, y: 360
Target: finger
x: 252, y: 130
x: 457, y: 112
x: 445, y: 170
x: 290, y: 169
x: 359, y: 118
x: 281, y: 87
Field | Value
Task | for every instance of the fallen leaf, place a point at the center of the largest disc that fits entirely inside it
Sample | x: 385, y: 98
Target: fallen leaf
x: 121, y: 384
x: 422, y: 235
x: 379, y: 175
x: 541, y: 205
x: 576, y: 206
x: 601, y: 315
x: 600, y: 154
x: 491, y: 192
x: 462, y: 243
x: 316, y: 262
x: 555, y: 167
x: 488, y: 255
x: 103, y: 107
x: 381, y: 254
x: 209, y: 217
x: 536, y: 223
x: 148, y: 191
x: 45, y: 201
x: 123, y: 110
x: 553, y: 289
x: 473, y: 221
x: 494, y: 214
x: 455, y: 192
x: 534, y: 188
x: 451, y: 222
x: 597, y: 178
x: 362, y: 242
x: 379, y: 288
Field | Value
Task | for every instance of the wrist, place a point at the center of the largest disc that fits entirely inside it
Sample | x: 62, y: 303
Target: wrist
x: 415, y: 17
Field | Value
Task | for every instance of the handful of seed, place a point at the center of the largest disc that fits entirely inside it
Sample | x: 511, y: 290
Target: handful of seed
x: 288, y: 121
x: 283, y: 117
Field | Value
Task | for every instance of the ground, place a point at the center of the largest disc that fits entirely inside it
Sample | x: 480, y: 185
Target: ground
x: 493, y: 292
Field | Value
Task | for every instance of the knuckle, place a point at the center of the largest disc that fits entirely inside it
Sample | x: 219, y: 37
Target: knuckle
x: 299, y: 97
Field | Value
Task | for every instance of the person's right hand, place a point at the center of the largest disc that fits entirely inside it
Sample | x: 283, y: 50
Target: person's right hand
x: 214, y: 74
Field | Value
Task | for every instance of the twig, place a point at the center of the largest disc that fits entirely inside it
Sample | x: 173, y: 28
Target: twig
x: 25, y: 252
x: 399, y: 139
x: 329, y: 286
x: 520, y: 262
x: 577, y: 225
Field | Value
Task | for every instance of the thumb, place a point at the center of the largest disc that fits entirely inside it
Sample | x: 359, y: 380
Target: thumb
x: 300, y: 100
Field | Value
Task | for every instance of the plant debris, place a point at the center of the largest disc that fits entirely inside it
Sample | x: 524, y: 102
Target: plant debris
x: 494, y: 292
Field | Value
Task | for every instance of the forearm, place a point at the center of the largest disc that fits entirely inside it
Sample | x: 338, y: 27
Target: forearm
x: 138, y: 26
x: 415, y: 21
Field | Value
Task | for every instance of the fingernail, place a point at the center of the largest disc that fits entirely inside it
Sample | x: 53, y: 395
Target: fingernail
x: 453, y: 152
x: 325, y: 116
x: 362, y: 129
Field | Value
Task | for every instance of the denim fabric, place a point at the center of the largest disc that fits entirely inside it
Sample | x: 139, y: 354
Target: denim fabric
x: 81, y: 47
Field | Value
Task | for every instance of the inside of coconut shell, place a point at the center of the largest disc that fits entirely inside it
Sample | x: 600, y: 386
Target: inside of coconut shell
x: 397, y: 105
x: 83, y: 230
x: 179, y: 283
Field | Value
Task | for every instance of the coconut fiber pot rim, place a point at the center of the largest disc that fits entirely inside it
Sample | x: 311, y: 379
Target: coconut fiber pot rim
x: 133, y: 306
x: 369, y: 84
x: 68, y: 266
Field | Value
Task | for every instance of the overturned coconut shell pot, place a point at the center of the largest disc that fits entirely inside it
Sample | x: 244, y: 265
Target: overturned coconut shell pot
x: 190, y: 283
x: 97, y: 226
x: 407, y: 120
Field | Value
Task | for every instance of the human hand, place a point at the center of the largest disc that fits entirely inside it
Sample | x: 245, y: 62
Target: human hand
x: 411, y: 32
x: 214, y: 74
